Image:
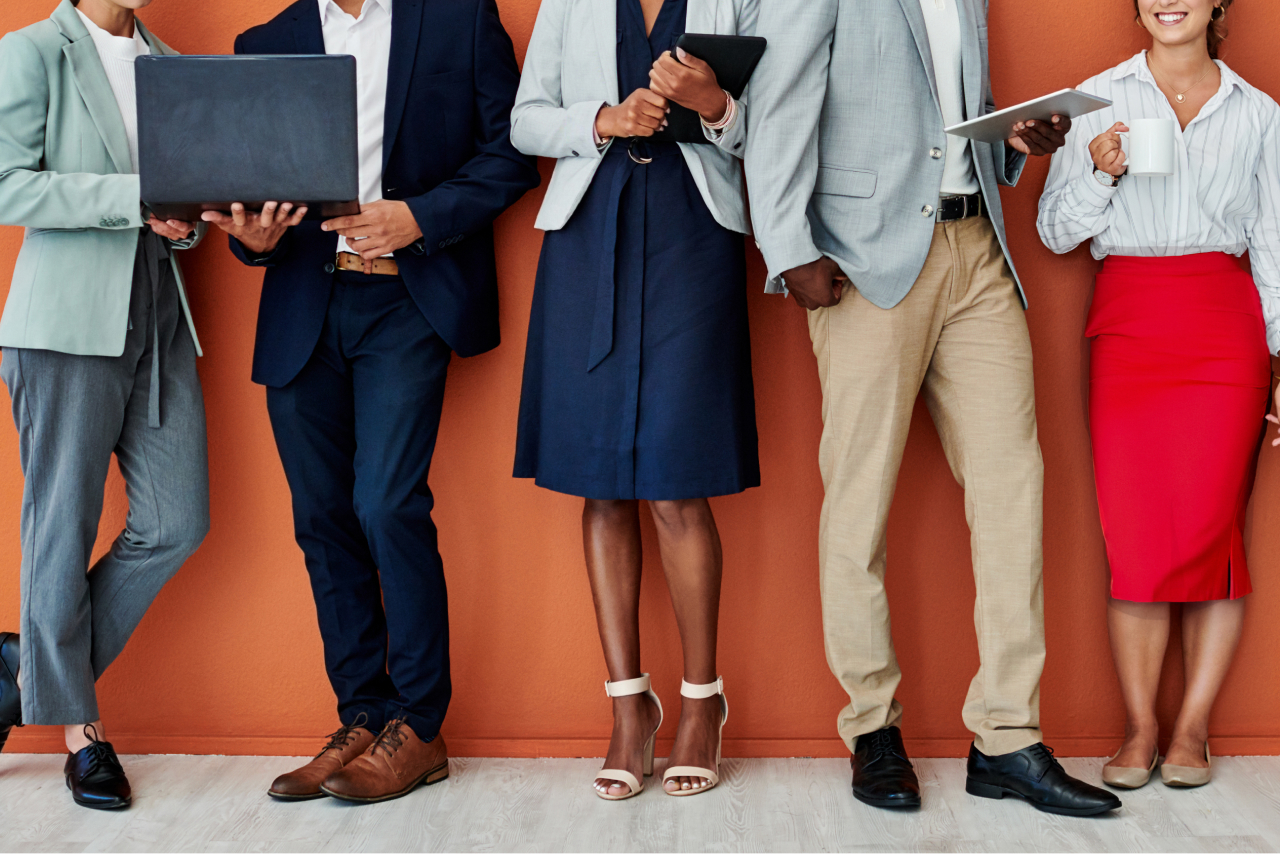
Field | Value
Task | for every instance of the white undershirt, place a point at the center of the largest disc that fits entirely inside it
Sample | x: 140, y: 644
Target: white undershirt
x: 942, y: 20
x: 117, y: 54
x: 368, y: 39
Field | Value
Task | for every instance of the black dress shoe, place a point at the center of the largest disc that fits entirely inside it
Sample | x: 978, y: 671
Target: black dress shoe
x: 882, y: 773
x: 95, y: 777
x: 1036, y: 776
x: 10, y: 698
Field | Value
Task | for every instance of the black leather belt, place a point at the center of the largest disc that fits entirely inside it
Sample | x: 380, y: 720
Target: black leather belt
x: 952, y: 208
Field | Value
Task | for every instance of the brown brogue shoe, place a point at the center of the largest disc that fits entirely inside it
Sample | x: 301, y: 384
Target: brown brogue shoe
x: 345, y: 745
x: 396, y: 763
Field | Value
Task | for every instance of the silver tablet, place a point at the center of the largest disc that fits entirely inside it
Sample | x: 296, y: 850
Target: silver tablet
x: 998, y: 126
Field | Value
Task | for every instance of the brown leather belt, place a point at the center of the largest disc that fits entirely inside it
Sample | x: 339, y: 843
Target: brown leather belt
x: 354, y: 263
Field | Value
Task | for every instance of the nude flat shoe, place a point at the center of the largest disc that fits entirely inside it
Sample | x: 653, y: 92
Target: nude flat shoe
x: 1184, y: 777
x: 1129, y: 778
x: 711, y: 775
x: 627, y: 688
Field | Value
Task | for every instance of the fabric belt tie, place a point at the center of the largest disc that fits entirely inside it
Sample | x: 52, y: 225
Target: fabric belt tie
x: 623, y: 164
x: 154, y: 251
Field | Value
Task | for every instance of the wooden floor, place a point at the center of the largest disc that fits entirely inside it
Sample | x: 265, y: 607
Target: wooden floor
x: 214, y: 803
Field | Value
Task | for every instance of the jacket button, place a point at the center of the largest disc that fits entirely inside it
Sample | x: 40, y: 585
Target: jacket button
x: 927, y: 210
x: 329, y: 268
x: 936, y: 153
x: 575, y: 154
x: 737, y: 146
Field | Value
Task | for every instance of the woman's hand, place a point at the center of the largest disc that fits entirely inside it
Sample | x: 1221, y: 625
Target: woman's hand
x: 644, y: 113
x: 689, y: 82
x: 259, y: 233
x: 173, y: 229
x: 1107, y: 154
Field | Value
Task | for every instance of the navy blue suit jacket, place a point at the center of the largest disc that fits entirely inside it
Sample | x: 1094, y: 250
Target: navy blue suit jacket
x: 446, y: 153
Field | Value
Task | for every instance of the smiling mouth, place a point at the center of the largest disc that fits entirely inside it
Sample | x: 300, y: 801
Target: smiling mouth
x: 1171, y: 19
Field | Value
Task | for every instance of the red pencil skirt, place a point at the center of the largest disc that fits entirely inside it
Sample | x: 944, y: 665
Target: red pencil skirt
x: 1180, y: 381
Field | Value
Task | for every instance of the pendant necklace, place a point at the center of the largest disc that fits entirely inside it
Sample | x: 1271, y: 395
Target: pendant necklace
x: 1182, y: 96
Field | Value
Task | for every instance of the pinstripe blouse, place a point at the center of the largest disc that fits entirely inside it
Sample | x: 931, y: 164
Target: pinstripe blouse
x: 1223, y: 197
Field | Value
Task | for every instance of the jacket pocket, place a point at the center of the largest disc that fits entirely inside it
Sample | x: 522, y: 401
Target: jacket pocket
x: 836, y: 181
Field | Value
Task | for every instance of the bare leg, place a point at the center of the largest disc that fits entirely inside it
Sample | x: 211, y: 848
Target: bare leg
x: 1139, y: 637
x: 692, y: 560
x: 1210, y: 634
x: 611, y: 540
x: 77, y: 740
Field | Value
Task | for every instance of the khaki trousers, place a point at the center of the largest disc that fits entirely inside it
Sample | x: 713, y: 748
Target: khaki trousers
x: 961, y: 337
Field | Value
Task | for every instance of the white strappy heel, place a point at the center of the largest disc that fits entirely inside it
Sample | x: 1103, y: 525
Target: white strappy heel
x: 711, y: 775
x: 628, y: 688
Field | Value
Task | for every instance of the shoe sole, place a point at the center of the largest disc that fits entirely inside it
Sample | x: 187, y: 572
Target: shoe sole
x: 986, y: 790
x: 282, y: 797
x: 436, y: 775
x: 889, y: 803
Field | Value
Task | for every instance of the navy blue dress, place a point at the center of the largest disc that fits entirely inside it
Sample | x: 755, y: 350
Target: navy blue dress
x: 637, y: 376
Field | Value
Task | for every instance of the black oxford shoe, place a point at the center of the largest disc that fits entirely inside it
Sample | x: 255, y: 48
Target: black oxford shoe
x: 882, y: 773
x: 10, y: 698
x: 1035, y: 775
x: 95, y: 777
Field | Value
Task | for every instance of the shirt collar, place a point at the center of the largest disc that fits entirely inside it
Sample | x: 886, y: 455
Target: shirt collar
x: 325, y: 4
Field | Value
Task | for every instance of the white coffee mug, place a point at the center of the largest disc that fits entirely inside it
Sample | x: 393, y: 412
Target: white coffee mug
x: 1150, y: 148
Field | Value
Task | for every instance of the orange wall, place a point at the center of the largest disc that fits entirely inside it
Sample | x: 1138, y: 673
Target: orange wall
x: 228, y: 660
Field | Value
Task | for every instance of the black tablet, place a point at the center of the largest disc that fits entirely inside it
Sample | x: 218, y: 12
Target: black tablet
x: 733, y: 59
x: 213, y: 130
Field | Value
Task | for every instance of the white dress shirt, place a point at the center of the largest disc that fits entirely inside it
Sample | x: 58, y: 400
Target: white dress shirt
x: 368, y: 39
x: 117, y: 54
x: 1224, y: 195
x: 942, y: 20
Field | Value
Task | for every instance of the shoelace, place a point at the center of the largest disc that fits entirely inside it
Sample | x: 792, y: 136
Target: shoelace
x: 101, y: 756
x: 880, y: 746
x: 341, y: 738
x: 391, y: 738
x: 1044, y: 753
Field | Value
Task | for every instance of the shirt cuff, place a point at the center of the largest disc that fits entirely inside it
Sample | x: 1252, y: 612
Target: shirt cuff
x: 1092, y: 191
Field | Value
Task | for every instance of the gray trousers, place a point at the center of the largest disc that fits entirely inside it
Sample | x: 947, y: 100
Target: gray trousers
x: 72, y: 413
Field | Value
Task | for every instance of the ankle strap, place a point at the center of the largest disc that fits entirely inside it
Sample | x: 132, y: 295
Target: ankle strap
x: 627, y: 687
x: 702, y: 692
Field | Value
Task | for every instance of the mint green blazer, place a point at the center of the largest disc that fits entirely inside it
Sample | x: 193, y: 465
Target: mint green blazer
x: 65, y: 174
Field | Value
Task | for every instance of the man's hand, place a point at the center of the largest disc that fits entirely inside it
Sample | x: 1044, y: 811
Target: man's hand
x: 260, y: 233
x: 689, y: 82
x: 379, y: 229
x: 818, y: 284
x: 1038, y: 139
x: 173, y: 229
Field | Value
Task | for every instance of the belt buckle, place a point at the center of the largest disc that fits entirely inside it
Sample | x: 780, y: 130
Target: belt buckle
x: 642, y: 159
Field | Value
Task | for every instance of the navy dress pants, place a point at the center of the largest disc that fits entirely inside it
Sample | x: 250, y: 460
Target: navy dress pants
x: 356, y: 430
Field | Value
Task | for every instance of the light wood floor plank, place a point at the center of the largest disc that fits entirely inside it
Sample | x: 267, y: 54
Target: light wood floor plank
x: 219, y: 804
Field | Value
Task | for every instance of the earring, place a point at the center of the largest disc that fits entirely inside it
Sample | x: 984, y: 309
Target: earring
x: 1220, y: 13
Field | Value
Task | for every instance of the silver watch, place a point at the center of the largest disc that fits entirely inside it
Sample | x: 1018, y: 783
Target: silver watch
x: 1106, y: 179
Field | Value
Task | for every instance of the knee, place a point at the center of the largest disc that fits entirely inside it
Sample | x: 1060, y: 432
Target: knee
x: 388, y: 513
x: 188, y: 534
x: 676, y: 518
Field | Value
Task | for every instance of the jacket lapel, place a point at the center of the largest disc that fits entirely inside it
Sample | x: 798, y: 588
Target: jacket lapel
x: 406, y: 25
x: 308, y: 36
x: 972, y: 61
x: 915, y: 17
x: 605, y: 14
x: 701, y: 16
x: 91, y: 80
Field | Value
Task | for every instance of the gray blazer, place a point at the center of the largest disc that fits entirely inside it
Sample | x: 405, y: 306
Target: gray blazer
x: 65, y: 174
x: 844, y: 157
x: 571, y: 71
